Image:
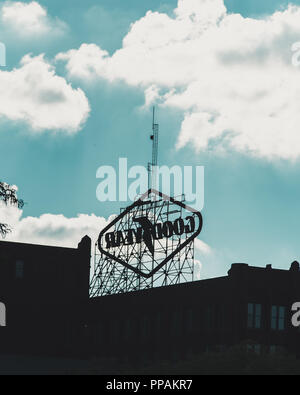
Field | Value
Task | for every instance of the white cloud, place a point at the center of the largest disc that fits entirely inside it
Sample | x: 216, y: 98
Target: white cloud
x: 86, y: 63
x: 231, y: 76
x: 29, y: 20
x: 197, y: 269
x: 202, y: 251
x: 202, y: 248
x: 50, y: 229
x: 57, y: 230
x: 34, y: 94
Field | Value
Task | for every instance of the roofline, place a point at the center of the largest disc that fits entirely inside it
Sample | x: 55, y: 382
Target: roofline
x: 161, y: 288
x: 35, y: 245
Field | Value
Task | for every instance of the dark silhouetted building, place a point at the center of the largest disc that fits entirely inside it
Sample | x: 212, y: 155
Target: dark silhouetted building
x: 250, y: 306
x: 46, y: 292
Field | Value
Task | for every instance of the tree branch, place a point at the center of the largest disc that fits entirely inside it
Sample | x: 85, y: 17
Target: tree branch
x: 8, y: 195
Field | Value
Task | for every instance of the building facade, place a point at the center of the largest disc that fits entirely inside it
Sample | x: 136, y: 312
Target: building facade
x: 46, y: 294
x: 250, y: 306
x: 45, y: 291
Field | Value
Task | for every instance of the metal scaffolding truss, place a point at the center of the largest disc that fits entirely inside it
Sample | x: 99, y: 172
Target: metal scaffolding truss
x: 112, y: 277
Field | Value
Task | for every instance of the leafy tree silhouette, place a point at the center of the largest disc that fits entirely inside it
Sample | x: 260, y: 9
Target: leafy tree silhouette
x: 8, y: 195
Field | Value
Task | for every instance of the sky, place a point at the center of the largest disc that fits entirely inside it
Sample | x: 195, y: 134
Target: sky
x: 77, y: 91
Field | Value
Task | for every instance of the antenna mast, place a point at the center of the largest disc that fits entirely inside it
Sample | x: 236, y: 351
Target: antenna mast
x: 152, y: 167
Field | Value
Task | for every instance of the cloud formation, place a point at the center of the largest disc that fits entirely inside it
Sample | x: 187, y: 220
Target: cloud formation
x: 29, y: 20
x: 58, y: 230
x: 231, y: 76
x: 34, y: 94
x: 50, y: 229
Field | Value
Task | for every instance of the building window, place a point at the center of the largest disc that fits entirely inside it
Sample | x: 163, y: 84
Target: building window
x: 115, y: 331
x: 19, y: 269
x: 208, y: 318
x: 254, y: 348
x: 278, y: 318
x: 220, y: 318
x: 145, y: 328
x: 254, y: 316
x: 273, y: 349
x: 190, y: 320
x: 127, y: 329
x: 99, y: 334
x: 176, y: 323
x: 158, y: 324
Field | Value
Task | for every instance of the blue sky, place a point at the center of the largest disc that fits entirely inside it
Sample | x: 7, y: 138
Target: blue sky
x: 251, y: 209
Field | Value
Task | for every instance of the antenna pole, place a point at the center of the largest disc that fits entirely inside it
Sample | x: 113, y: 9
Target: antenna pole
x: 152, y: 167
